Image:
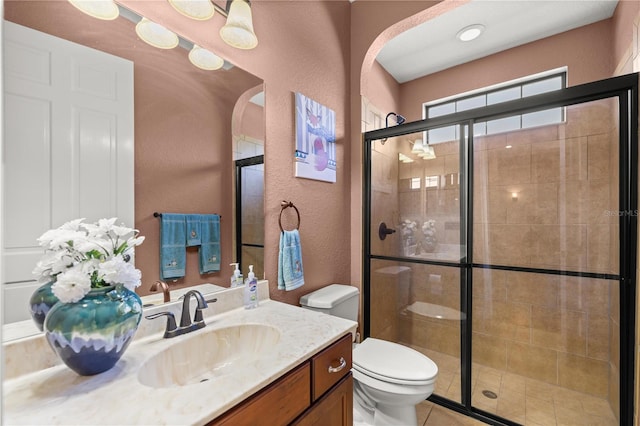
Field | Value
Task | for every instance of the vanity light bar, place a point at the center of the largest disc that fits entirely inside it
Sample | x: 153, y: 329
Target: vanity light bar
x: 182, y: 42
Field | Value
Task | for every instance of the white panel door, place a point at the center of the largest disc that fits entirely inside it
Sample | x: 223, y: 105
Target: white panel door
x: 68, y: 147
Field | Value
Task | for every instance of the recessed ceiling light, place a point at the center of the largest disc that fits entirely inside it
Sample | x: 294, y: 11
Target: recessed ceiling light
x: 471, y: 32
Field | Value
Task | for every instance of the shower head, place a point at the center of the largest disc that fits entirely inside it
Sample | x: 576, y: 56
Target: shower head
x: 399, y: 120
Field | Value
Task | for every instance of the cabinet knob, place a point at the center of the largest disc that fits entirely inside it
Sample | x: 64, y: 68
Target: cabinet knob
x: 343, y: 364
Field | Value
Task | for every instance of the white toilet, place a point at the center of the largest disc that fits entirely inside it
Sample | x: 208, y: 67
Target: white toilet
x: 389, y: 379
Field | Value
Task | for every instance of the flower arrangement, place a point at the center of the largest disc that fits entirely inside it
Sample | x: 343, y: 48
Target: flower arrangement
x: 429, y: 233
x: 82, y: 256
x: 408, y: 228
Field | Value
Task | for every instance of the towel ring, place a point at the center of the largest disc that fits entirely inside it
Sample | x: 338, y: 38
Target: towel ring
x: 284, y: 205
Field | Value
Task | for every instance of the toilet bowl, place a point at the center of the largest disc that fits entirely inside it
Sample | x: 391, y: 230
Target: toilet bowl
x: 389, y: 378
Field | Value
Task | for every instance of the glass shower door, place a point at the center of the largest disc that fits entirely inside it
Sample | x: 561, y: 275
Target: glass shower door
x: 545, y: 279
x: 250, y: 214
x: 417, y: 193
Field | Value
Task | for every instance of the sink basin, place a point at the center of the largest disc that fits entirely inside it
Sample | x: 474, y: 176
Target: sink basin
x: 208, y: 354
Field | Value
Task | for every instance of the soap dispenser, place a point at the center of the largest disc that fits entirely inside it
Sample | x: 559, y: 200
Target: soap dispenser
x: 251, y: 290
x: 236, y: 278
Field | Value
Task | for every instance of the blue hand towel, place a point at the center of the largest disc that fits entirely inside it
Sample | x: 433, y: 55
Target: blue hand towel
x: 193, y: 230
x: 290, y: 271
x: 173, y: 252
x: 209, y: 243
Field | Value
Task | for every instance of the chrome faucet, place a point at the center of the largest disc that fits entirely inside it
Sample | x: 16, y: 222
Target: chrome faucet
x: 186, y: 325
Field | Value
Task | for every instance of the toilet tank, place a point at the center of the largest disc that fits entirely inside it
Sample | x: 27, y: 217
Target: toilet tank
x: 336, y: 299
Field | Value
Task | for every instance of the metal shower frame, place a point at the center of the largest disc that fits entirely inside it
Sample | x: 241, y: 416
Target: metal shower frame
x: 625, y: 89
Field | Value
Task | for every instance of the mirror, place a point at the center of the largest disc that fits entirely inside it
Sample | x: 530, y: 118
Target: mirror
x: 188, y: 127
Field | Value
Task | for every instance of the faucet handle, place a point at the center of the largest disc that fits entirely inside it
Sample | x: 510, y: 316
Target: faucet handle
x: 171, y: 323
x: 198, y: 315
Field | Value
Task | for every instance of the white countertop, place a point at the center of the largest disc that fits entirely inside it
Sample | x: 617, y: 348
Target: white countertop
x: 57, y: 395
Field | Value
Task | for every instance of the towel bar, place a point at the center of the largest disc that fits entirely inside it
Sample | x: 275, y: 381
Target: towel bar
x: 285, y: 204
x: 156, y: 214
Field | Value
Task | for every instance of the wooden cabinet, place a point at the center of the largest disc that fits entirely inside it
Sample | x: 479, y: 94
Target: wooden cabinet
x: 330, y: 365
x: 317, y: 392
x: 333, y: 409
x: 277, y: 404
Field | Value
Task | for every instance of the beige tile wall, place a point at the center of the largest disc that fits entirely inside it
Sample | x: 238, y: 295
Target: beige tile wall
x: 562, y: 176
x: 544, y: 327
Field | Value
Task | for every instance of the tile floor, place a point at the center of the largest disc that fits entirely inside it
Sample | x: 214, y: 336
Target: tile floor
x: 519, y: 399
x: 430, y: 414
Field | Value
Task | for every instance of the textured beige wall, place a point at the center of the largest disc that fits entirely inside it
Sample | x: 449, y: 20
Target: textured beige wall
x: 302, y: 47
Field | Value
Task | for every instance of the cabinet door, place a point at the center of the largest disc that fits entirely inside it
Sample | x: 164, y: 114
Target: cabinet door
x: 333, y: 409
x: 278, y: 404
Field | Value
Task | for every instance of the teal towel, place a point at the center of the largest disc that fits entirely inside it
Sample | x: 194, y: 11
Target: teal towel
x: 290, y: 271
x: 173, y: 252
x: 193, y: 230
x: 209, y: 243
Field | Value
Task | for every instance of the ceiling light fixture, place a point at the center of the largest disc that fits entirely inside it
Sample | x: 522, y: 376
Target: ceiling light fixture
x: 200, y: 10
x: 418, y: 148
x: 425, y: 151
x: 429, y: 153
x: 204, y: 59
x: 102, y: 9
x: 156, y: 35
x: 404, y: 159
x: 238, y: 31
x: 471, y: 32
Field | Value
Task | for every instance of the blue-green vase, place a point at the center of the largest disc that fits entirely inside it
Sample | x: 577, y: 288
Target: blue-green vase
x: 92, y: 334
x: 41, y: 302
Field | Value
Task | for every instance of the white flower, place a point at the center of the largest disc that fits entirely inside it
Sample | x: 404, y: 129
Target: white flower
x: 117, y: 271
x: 71, y: 285
x: 80, y: 256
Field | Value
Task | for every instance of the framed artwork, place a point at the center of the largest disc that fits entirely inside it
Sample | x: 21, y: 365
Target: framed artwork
x: 315, y: 140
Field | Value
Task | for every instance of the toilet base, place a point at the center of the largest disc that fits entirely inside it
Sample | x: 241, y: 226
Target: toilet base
x: 395, y: 415
x: 361, y: 417
x: 389, y: 415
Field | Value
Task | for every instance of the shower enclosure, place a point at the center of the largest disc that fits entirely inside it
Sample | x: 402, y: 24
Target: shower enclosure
x: 507, y: 254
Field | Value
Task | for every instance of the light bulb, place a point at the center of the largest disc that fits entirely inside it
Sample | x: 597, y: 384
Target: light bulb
x: 238, y: 31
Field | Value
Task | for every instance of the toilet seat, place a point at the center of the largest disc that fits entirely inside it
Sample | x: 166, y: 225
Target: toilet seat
x: 393, y: 363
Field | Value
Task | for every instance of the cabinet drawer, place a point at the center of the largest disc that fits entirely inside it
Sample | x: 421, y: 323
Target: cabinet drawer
x: 278, y: 404
x: 330, y: 365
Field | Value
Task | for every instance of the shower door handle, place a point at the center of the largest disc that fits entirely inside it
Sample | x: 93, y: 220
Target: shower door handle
x: 383, y: 231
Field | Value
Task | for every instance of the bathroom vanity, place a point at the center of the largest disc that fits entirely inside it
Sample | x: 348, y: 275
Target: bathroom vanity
x: 269, y: 365
x: 317, y: 392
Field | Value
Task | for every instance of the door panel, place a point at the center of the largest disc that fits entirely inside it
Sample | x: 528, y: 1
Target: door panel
x: 68, y: 147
